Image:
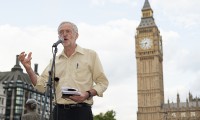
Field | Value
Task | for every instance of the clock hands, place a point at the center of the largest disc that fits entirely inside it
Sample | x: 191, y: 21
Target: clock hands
x: 146, y: 43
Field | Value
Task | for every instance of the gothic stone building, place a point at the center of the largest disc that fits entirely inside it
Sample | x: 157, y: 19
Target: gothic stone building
x: 16, y: 88
x: 149, y: 58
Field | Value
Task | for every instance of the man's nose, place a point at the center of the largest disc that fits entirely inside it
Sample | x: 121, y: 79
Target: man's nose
x: 65, y: 33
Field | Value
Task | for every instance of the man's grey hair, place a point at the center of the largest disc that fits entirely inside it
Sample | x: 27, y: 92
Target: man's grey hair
x: 75, y: 28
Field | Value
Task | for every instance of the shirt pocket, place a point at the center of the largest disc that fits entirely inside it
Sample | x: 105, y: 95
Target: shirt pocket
x: 82, y: 72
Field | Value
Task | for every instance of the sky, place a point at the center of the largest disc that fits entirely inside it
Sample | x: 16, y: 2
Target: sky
x: 109, y: 28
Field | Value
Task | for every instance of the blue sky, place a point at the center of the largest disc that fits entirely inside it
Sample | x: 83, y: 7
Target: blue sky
x: 108, y: 27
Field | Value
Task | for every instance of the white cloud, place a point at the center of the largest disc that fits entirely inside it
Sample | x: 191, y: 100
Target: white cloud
x: 111, y: 36
x: 181, y: 12
x: 30, y: 39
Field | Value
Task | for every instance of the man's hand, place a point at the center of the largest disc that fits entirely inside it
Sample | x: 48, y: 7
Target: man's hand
x: 84, y: 96
x: 79, y: 98
x: 26, y: 62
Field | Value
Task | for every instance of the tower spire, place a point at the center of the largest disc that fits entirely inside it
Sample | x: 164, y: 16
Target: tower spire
x: 147, y: 16
x: 146, y: 5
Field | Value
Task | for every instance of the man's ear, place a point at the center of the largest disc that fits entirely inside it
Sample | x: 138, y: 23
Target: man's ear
x: 77, y: 35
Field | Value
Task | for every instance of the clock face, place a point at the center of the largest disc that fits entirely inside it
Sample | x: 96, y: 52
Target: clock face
x: 146, y: 43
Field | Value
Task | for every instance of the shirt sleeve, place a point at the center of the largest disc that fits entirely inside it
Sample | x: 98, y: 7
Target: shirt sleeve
x: 42, y: 80
x: 99, y: 77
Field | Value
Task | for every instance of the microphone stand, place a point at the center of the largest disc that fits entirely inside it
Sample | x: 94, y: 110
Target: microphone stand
x: 48, y: 91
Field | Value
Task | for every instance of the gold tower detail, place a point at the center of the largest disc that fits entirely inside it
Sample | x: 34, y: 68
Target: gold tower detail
x: 149, y: 57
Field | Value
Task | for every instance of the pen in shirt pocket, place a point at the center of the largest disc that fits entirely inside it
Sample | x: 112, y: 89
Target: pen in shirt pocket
x: 77, y: 66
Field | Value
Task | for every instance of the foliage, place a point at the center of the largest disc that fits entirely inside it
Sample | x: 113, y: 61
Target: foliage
x: 109, y: 115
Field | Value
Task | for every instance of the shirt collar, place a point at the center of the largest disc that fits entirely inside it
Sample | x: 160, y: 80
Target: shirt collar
x: 78, y: 49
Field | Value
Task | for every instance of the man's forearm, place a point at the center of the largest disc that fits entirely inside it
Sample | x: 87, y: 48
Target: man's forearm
x: 32, y: 76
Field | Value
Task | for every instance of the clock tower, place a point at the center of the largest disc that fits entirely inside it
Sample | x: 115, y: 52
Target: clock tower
x: 149, y: 57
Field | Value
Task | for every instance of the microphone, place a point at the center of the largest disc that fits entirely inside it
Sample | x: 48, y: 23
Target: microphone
x: 57, y: 43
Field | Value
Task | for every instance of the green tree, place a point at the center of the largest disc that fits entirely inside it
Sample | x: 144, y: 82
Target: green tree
x: 109, y: 115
